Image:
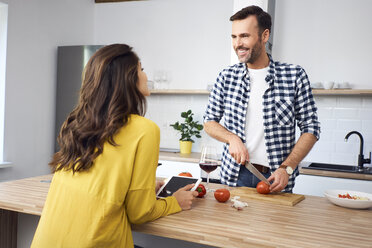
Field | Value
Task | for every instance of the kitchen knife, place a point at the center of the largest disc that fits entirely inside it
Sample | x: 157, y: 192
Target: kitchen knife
x: 255, y: 172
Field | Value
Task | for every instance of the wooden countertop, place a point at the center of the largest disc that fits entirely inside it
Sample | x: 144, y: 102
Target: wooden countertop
x: 194, y: 158
x: 25, y: 195
x: 314, y: 222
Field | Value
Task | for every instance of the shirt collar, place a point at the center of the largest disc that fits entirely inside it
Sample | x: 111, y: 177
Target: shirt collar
x: 244, y: 69
x: 271, y: 72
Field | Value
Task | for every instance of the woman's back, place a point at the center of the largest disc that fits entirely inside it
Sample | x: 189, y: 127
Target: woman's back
x: 95, y: 208
x: 105, y: 169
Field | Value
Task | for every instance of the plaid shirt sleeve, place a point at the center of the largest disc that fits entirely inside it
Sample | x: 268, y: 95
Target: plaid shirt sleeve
x: 305, y: 109
x: 215, y: 108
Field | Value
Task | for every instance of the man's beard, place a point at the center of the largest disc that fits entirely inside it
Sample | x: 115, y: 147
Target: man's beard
x: 254, y: 54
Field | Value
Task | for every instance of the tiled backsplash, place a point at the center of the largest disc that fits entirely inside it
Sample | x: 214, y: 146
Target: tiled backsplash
x: 338, y: 116
x: 166, y: 109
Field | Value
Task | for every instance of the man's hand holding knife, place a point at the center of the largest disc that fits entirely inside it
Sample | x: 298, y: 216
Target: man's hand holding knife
x: 240, y: 153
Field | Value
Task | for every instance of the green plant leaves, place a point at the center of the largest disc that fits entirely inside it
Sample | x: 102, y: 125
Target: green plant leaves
x: 189, y: 127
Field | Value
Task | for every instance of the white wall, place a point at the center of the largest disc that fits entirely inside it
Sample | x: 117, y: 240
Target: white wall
x: 3, y: 39
x: 35, y: 29
x: 330, y: 39
x: 190, y: 38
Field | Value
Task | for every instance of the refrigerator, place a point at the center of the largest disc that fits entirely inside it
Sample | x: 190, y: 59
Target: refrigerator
x: 71, y: 61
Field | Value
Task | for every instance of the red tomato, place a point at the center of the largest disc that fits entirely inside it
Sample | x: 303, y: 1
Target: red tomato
x: 201, y: 190
x: 222, y: 195
x: 185, y: 174
x: 263, y: 188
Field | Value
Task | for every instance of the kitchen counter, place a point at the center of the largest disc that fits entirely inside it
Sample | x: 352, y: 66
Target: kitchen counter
x: 337, y: 174
x: 314, y: 222
x: 194, y: 158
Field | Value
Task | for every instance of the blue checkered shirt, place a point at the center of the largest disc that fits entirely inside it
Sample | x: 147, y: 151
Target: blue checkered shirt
x: 287, y: 101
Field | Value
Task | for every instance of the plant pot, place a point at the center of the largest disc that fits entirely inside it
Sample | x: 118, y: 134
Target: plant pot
x: 185, y: 147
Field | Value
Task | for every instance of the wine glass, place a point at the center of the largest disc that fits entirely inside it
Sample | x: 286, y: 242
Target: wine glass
x: 208, y: 161
x: 158, y: 79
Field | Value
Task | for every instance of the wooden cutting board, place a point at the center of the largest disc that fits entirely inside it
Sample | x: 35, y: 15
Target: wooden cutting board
x: 247, y: 193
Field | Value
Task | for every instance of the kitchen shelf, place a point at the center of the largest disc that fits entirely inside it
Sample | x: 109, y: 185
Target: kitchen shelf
x: 179, y: 92
x: 317, y: 92
x: 193, y: 157
x: 343, y: 92
x: 6, y: 164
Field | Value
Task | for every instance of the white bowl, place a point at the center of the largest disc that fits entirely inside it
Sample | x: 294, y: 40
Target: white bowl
x: 344, y: 85
x: 332, y: 196
x: 328, y: 85
x: 317, y: 85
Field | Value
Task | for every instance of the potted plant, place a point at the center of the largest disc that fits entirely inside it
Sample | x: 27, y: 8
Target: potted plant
x: 188, y: 129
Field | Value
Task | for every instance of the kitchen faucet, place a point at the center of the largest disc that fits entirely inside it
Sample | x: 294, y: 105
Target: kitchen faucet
x: 361, y: 159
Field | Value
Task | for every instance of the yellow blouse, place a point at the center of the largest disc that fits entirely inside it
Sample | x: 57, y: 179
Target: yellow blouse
x: 96, y: 208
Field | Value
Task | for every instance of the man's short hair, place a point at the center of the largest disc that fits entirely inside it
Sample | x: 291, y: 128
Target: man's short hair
x: 263, y: 18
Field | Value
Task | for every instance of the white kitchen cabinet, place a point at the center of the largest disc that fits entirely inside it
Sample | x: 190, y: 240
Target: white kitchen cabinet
x: 316, y: 185
x: 171, y: 168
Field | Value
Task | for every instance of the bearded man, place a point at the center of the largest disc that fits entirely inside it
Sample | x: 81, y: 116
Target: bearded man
x: 261, y: 101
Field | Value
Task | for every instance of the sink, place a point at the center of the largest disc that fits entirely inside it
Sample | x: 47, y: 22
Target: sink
x: 337, y: 167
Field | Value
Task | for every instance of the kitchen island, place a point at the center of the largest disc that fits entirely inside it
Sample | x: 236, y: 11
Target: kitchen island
x: 314, y: 222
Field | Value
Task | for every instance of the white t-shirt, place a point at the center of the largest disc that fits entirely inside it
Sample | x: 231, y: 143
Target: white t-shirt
x: 254, y: 128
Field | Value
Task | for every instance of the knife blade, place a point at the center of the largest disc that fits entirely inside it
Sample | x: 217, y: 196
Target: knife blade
x: 255, y: 172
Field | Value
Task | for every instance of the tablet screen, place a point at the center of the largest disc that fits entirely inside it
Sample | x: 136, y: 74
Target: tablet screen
x: 174, y: 184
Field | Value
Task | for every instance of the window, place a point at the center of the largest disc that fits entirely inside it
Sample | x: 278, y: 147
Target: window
x: 3, y: 39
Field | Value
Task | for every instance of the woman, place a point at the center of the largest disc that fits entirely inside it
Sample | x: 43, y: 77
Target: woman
x: 104, y: 177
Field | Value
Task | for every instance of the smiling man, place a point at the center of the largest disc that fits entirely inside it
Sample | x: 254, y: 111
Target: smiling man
x: 261, y: 101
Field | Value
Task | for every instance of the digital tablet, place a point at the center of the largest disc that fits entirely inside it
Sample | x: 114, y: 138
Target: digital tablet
x: 174, y: 183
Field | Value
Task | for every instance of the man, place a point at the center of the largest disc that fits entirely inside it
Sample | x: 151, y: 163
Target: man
x: 260, y: 101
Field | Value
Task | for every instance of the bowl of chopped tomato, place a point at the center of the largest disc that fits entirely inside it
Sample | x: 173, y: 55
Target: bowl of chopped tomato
x: 349, y: 199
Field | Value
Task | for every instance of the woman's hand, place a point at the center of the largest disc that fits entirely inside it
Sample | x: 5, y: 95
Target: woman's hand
x: 158, y: 185
x: 185, y: 197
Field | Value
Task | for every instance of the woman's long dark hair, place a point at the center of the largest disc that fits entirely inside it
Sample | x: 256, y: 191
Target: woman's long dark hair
x: 108, y: 95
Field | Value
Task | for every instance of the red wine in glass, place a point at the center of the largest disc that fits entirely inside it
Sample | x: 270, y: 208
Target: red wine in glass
x: 208, y: 167
x: 208, y: 161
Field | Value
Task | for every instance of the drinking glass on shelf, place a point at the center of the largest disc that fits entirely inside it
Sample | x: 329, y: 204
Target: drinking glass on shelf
x: 208, y: 161
x: 158, y: 78
x: 166, y: 79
